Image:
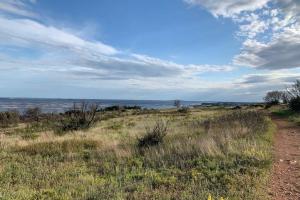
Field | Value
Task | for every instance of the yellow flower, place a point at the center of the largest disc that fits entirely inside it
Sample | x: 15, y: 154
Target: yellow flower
x: 209, y: 197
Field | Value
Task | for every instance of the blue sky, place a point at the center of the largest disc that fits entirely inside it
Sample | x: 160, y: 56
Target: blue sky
x: 138, y: 49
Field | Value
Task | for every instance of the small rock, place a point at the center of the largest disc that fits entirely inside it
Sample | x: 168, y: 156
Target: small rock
x: 292, y: 162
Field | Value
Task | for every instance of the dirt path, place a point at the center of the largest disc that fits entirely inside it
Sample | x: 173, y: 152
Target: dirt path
x: 285, y: 179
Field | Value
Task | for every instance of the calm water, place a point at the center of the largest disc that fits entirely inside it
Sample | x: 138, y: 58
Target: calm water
x: 60, y: 105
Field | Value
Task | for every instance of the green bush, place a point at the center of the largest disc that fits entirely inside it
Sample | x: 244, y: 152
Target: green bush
x: 294, y: 104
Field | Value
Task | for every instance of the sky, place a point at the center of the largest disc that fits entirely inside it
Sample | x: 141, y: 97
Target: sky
x: 207, y: 50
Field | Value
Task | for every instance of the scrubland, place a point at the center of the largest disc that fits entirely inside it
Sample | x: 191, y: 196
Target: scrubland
x: 137, y: 154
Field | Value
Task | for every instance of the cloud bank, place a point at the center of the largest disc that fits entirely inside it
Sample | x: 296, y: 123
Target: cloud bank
x: 66, y: 52
x: 271, y: 30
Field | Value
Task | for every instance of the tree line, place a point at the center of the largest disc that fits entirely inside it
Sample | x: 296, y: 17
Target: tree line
x: 290, y: 96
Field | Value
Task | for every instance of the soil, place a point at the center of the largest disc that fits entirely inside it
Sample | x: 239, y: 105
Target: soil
x: 285, y: 177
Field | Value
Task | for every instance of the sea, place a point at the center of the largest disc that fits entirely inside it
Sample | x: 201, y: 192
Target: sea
x: 61, y: 105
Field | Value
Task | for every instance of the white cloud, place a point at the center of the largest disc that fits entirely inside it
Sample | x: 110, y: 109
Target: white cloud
x: 17, y: 7
x: 65, y: 52
x: 26, y: 32
x: 229, y: 8
x: 282, y: 52
x: 280, y: 45
x: 279, y: 78
x: 271, y: 30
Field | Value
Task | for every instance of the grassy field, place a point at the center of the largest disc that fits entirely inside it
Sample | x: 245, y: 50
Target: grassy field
x: 209, y: 151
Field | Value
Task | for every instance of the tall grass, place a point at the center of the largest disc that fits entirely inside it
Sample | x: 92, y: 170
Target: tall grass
x: 224, y: 155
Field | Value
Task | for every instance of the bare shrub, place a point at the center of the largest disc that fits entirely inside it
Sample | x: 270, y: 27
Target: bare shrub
x: 80, y: 117
x: 154, y: 135
x: 32, y: 114
x: 294, y: 90
x: 273, y: 97
x: 177, y: 103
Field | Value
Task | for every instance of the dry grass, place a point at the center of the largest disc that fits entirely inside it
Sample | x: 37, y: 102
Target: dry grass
x: 104, y: 162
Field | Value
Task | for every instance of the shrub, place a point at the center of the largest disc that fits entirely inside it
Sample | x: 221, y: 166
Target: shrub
x: 32, y: 114
x: 113, y: 108
x: 9, y: 118
x: 154, y: 135
x: 121, y: 108
x: 294, y: 90
x: 273, y: 97
x: 133, y: 107
x: 294, y: 104
x: 267, y: 106
x: 184, y: 110
x: 236, y: 108
x: 78, y: 118
x: 293, y: 96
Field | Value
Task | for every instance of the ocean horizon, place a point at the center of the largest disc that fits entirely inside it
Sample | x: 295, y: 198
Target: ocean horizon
x: 56, y: 105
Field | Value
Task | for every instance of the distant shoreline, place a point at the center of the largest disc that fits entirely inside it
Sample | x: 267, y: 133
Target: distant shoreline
x: 49, y: 105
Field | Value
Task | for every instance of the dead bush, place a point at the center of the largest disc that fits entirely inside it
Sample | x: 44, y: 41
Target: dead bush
x: 32, y: 114
x: 80, y: 117
x: 154, y: 135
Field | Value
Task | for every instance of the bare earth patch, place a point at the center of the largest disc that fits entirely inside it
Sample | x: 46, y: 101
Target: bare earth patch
x: 285, y: 178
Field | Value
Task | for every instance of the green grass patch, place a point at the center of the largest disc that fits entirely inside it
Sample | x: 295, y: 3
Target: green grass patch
x: 288, y: 114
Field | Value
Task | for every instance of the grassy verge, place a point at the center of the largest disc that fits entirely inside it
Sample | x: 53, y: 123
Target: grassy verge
x: 218, y: 152
x: 288, y: 114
